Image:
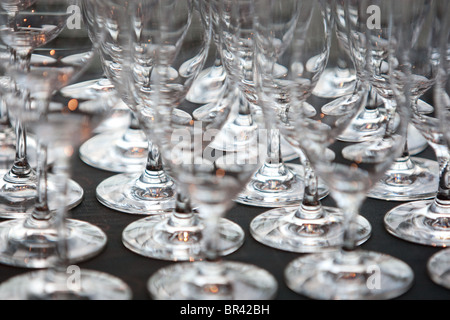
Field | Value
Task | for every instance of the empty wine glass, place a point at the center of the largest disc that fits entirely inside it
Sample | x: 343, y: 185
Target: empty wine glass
x: 30, y: 241
x: 347, y: 273
x: 309, y: 227
x: 125, y: 147
x: 409, y: 178
x: 64, y: 127
x: 22, y: 32
x: 211, y: 180
x: 151, y: 190
x: 424, y: 221
x: 438, y: 265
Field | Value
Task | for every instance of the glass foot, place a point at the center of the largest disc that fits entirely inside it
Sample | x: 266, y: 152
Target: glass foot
x: 18, y: 201
x: 203, y: 280
x: 158, y: 237
x: 417, y: 180
x: 438, y: 267
x: 32, y: 244
x: 366, y: 276
x: 127, y: 193
x: 208, y: 86
x: 89, y: 285
x: 280, y: 228
x: 119, y: 152
x: 417, y: 222
x: 277, y: 190
x: 331, y: 85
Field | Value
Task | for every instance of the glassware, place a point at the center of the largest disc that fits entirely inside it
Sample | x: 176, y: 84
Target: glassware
x: 211, y: 180
x: 174, y: 236
x: 339, y: 77
x: 30, y: 241
x: 309, y: 227
x: 120, y: 146
x: 63, y: 126
x: 409, y: 178
x: 18, y: 185
x: 152, y: 191
x: 351, y: 273
x: 424, y: 221
x: 438, y: 266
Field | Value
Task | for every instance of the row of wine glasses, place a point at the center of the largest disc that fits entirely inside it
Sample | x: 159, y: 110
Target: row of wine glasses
x: 204, y: 152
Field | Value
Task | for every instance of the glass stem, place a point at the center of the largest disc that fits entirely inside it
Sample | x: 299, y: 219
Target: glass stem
x: 61, y: 172
x: 443, y: 156
x: 311, y: 207
x: 41, y: 210
x: 350, y: 205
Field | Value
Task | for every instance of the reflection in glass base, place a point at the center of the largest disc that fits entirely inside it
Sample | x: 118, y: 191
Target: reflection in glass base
x: 159, y: 237
x: 119, y: 152
x: 334, y: 83
x: 276, y: 190
x: 365, y: 275
x: 88, y: 285
x: 18, y: 201
x: 32, y: 244
x: 127, y: 193
x: 208, y: 86
x: 201, y: 280
x: 438, y: 267
x: 282, y: 229
x: 419, y: 222
x: 408, y: 180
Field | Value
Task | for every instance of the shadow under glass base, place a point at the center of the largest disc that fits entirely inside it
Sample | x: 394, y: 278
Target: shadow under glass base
x: 282, y: 229
x: 367, y: 276
x: 92, y: 285
x: 18, y: 201
x: 438, y: 268
x: 276, y: 191
x: 126, y: 193
x: 159, y: 238
x: 201, y: 280
x: 418, y: 222
x: 32, y: 244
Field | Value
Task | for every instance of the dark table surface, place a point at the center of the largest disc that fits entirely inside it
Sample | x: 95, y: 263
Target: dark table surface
x: 135, y: 270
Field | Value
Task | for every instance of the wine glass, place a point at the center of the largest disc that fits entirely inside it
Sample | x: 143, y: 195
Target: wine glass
x: 174, y: 236
x: 210, y: 179
x: 424, y: 221
x: 153, y: 191
x: 22, y: 33
x: 309, y: 227
x: 338, y: 78
x: 409, y: 178
x: 120, y: 146
x: 277, y: 183
x: 30, y: 241
x: 62, y: 126
x: 351, y: 273
x: 439, y: 263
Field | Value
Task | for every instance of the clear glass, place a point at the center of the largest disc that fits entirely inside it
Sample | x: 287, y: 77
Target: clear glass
x: 438, y: 265
x: 309, y: 227
x: 409, y: 178
x: 275, y: 184
x: 347, y: 273
x: 424, y: 222
x: 49, y: 237
x: 211, y: 179
x: 18, y: 185
x: 121, y: 146
x: 176, y: 234
x: 151, y: 190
